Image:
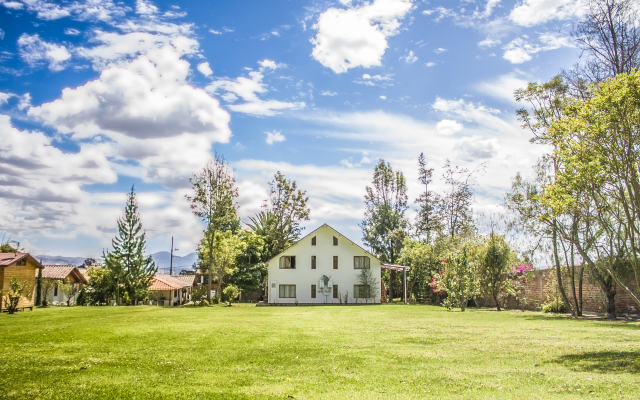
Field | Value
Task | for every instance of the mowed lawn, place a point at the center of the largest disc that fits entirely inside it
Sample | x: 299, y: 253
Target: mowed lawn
x: 348, y: 352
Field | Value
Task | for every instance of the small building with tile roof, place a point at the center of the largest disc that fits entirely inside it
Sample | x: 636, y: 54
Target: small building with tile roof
x: 22, y: 266
x: 170, y: 290
x: 62, y: 274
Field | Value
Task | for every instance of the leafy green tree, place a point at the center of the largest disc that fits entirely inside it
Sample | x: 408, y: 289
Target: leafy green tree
x: 264, y: 225
x: 126, y: 262
x: 231, y: 292
x: 599, y: 144
x: 103, y: 285
x: 70, y: 289
x: 428, y: 223
x: 214, y: 203
x: 224, y: 264
x: 47, y: 285
x: 557, y: 234
x: 17, y: 290
x: 384, y: 226
x: 423, y: 260
x: 458, y: 278
x: 250, y: 271
x: 455, y: 208
x: 370, y: 287
x: 288, y: 209
x: 493, y: 267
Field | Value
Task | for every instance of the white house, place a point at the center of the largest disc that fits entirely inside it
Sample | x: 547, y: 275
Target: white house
x: 322, y: 267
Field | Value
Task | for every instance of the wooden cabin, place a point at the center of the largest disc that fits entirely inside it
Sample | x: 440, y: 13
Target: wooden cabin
x: 24, y: 267
x: 60, y: 274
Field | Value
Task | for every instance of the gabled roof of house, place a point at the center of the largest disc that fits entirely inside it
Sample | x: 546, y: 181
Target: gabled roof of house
x: 317, y: 229
x: 186, y: 279
x: 63, y: 272
x: 7, y: 259
x: 167, y: 282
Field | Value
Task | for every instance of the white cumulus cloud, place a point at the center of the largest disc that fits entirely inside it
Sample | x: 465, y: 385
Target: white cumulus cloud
x: 535, y: 12
x: 357, y: 36
x: 519, y: 50
x: 35, y: 51
x: 205, y: 69
x: 449, y: 127
x: 410, y: 58
x: 273, y: 137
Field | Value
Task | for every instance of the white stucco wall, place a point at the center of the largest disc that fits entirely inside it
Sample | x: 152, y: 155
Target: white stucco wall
x: 303, y: 276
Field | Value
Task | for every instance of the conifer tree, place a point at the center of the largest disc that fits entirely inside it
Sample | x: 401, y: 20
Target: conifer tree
x: 127, y: 265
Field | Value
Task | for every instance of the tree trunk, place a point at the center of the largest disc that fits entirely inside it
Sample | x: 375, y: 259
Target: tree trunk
x: 495, y: 298
x: 611, y: 303
x: 559, y: 271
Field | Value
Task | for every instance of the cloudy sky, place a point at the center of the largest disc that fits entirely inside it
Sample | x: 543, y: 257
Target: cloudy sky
x: 98, y: 95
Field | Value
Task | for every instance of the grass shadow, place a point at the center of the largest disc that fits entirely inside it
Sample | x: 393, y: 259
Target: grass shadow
x: 604, y: 362
x: 623, y: 323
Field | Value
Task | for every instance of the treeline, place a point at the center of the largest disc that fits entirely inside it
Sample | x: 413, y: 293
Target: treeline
x: 580, y: 209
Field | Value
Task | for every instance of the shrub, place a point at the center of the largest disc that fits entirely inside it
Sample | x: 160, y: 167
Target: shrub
x: 554, y: 306
x: 230, y: 292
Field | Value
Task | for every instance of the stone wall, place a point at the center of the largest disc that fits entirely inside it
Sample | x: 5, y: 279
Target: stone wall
x: 593, y: 299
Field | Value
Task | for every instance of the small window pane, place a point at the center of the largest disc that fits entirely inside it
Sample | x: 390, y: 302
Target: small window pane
x: 313, y: 262
x: 335, y: 262
x: 361, y: 262
x: 287, y: 291
x: 335, y: 241
x: 313, y: 241
x: 288, y: 262
x: 313, y: 291
x: 335, y: 291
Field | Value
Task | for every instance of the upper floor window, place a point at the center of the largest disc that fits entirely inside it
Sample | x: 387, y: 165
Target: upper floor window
x: 313, y: 262
x: 361, y: 262
x: 288, y: 262
x: 335, y: 262
x: 335, y: 241
x: 22, y: 262
x: 313, y: 241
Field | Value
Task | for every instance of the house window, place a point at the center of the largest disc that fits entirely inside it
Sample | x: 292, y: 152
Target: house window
x: 287, y: 291
x: 288, y: 262
x: 335, y: 262
x: 313, y: 262
x: 361, y: 262
x: 335, y: 241
x: 335, y: 291
x: 313, y: 291
x: 313, y: 241
x: 22, y: 262
x: 361, y: 291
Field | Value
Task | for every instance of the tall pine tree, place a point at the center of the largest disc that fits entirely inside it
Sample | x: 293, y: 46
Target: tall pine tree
x: 127, y: 264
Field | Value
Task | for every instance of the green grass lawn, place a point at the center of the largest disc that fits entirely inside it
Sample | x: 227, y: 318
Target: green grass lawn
x: 364, y: 352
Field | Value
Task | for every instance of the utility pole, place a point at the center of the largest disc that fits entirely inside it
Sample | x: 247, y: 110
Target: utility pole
x: 171, y: 261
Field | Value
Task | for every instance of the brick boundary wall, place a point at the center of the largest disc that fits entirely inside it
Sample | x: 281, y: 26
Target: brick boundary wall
x: 593, y: 299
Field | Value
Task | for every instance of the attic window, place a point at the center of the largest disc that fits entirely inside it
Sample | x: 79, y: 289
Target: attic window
x: 22, y: 262
x: 288, y: 262
x: 335, y: 241
x: 313, y: 241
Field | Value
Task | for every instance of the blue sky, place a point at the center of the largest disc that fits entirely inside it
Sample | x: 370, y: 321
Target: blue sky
x: 97, y: 95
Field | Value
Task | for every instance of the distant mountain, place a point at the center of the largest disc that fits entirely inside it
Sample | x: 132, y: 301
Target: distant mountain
x: 161, y: 258
x: 62, y: 260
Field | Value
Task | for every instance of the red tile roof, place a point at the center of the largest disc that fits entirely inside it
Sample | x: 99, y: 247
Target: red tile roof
x: 167, y: 282
x: 63, y: 272
x: 7, y: 259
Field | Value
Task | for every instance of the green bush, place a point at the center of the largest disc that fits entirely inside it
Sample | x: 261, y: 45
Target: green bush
x: 554, y: 306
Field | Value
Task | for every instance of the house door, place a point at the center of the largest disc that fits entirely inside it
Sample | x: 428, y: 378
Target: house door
x: 273, y: 292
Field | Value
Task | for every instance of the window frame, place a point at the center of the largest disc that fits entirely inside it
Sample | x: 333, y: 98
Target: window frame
x: 281, y: 264
x: 336, y: 293
x: 358, y: 288
x: 282, y: 288
x: 335, y: 241
x: 313, y: 241
x: 314, y: 262
x: 335, y: 262
x: 314, y: 292
x: 367, y: 262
